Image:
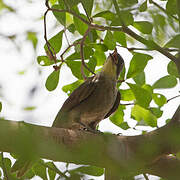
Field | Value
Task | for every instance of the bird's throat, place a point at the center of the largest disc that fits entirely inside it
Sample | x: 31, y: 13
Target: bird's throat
x: 109, y: 70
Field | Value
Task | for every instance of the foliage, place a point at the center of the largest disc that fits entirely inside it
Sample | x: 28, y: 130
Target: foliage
x: 76, y: 21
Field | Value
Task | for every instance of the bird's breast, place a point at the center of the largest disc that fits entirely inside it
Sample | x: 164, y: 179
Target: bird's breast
x: 99, y: 102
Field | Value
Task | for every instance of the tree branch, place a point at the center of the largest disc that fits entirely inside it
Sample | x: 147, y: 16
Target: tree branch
x: 123, y: 155
x: 166, y: 167
x: 125, y: 29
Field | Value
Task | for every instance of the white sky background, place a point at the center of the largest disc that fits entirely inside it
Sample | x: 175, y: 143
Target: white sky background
x: 15, y: 87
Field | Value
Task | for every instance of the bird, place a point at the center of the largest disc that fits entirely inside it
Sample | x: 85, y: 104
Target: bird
x: 94, y: 100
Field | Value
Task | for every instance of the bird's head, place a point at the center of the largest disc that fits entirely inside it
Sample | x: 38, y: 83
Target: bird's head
x: 113, y: 65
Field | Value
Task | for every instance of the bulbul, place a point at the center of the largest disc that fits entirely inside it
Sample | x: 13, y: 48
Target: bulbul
x: 94, y: 100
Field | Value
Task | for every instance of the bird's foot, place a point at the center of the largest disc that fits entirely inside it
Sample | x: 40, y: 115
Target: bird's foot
x: 89, y: 129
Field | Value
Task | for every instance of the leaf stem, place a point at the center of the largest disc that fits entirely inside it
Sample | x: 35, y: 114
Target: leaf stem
x: 82, y: 55
x: 151, y: 44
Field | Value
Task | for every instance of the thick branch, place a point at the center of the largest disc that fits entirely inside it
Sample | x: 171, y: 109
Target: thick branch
x: 166, y: 167
x: 123, y: 155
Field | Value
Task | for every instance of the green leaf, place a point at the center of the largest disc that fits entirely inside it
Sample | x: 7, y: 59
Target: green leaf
x: 87, y: 5
x: 148, y: 88
x: 172, y: 69
x: 100, y: 57
x: 156, y: 111
x: 165, y: 82
x: 32, y: 36
x: 88, y: 52
x: 126, y: 17
x: 171, y: 7
x: 127, y: 4
x: 140, y: 114
x: 52, y: 80
x: 109, y: 40
x: 124, y: 126
x: 71, y: 87
x: 44, y: 61
x: 120, y: 37
x: 51, y: 172
x: 122, y: 74
x: 53, y: 2
x: 143, y: 6
x: 140, y: 78
x: 137, y: 64
x: 108, y: 15
x: 174, y: 42
x: 143, y: 97
x: 159, y: 99
x: 90, y: 170
x: 99, y: 46
x: 0, y: 106
x: 91, y: 64
x: 143, y: 26
x: 75, y: 67
x: 93, y: 35
x: 74, y: 56
x: 60, y: 16
x: 7, y: 163
x: 4, y: 6
x: 55, y: 42
x: 72, y: 3
x: 40, y: 170
x: 71, y: 28
x: 80, y: 26
x: 29, y: 108
x: 127, y: 95
x: 118, y: 117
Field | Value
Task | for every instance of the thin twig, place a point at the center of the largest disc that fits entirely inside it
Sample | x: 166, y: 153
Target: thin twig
x: 145, y: 176
x: 66, y: 36
x: 90, y: 20
x: 4, y: 167
x: 147, y: 49
x: 82, y: 55
x: 125, y: 30
x: 173, y: 98
x: 49, y: 53
x: 149, y: 43
x: 70, y: 45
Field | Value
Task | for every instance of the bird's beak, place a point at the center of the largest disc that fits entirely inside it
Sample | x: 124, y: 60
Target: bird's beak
x: 114, y: 56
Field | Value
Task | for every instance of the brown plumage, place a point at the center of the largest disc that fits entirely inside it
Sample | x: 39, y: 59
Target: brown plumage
x: 97, y: 98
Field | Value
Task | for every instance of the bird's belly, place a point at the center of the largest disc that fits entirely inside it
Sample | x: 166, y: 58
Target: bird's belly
x: 98, y: 105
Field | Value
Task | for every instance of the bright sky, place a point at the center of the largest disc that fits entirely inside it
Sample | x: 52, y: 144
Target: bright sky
x: 15, y: 88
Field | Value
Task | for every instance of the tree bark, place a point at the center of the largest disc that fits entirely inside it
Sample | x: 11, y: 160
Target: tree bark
x: 123, y: 155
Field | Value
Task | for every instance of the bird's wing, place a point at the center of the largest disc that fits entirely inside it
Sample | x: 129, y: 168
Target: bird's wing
x: 77, y: 96
x: 80, y: 94
x: 115, y: 106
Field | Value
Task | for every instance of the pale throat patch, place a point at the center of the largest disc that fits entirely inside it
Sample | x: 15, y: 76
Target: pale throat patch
x: 109, y: 69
